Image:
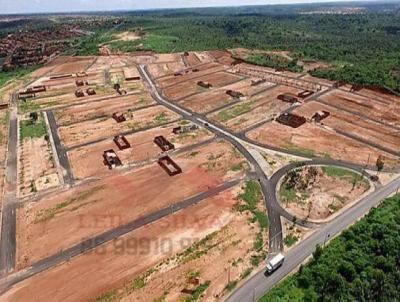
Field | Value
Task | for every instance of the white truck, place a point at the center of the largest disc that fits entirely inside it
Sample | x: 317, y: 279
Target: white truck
x: 275, y: 263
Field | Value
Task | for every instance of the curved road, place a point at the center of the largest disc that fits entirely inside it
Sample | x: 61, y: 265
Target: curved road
x: 259, y: 284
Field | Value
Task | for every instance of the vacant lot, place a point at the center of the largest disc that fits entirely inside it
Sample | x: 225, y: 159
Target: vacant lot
x: 102, y: 108
x: 88, y: 161
x: 190, y: 87
x: 92, y: 130
x: 318, y: 192
x: 259, y: 108
x: 384, y: 111
x: 95, y: 207
x: 311, y: 139
x: 349, y: 123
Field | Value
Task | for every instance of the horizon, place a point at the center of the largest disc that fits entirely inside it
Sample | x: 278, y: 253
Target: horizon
x: 27, y: 7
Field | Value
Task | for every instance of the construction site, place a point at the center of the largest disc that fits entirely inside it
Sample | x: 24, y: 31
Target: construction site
x: 149, y: 165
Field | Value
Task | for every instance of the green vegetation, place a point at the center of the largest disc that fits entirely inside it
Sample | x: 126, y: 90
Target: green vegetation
x: 198, y: 292
x: 231, y: 285
x: 252, y: 196
x: 362, y: 264
x: 354, y: 177
x: 6, y: 76
x: 30, y: 129
x: 287, y: 193
x: 290, y: 239
x: 230, y: 113
x: 163, y: 44
x: 302, y: 151
x: 274, y: 61
x: 27, y: 106
x: 46, y: 214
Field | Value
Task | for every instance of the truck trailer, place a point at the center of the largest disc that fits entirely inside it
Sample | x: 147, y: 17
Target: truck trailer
x: 275, y: 263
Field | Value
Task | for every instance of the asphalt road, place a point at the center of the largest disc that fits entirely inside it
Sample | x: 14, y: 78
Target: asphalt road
x: 8, y: 224
x: 275, y: 227
x: 259, y: 284
x: 110, y: 235
x: 61, y: 153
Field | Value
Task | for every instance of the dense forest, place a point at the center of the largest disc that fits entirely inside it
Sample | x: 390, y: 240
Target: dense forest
x: 362, y: 264
x: 363, y: 48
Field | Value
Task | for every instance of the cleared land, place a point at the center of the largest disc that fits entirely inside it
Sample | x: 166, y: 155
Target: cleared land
x: 318, y: 192
x: 95, y: 207
x: 102, y: 108
x: 310, y: 139
x: 261, y: 107
x: 384, y: 111
x: 194, y: 240
x: 92, y: 130
x: 88, y: 161
x: 354, y: 125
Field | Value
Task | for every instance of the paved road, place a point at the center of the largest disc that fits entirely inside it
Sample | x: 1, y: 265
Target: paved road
x: 259, y: 284
x: 61, y: 153
x: 8, y: 225
x: 110, y: 235
x: 275, y: 227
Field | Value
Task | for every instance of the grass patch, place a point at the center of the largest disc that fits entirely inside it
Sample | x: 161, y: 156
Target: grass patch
x: 287, y: 194
x: 46, y: 214
x: 230, y: 113
x: 290, y: 240
x: 28, y: 106
x: 231, y: 285
x: 251, y: 196
x: 32, y: 130
x: 198, y: 292
x: 274, y: 61
x: 303, y: 151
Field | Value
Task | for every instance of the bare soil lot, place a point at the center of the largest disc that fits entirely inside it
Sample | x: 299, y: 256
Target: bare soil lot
x: 318, y: 192
x: 192, y: 59
x: 205, y: 69
x: 206, y: 101
x: 162, y: 69
x: 70, y: 64
x: 95, y: 207
x: 88, y: 161
x: 92, y: 130
x: 310, y: 139
x: 36, y: 168
x: 190, y: 87
x: 102, y: 108
x: 108, y: 62
x: 261, y: 107
x: 119, y: 262
x: 354, y: 125
x: 384, y: 111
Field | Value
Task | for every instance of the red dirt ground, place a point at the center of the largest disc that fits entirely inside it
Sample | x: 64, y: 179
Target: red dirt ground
x: 101, y: 108
x: 205, y: 69
x: 187, y: 88
x: 91, y: 130
x: 95, y: 207
x: 70, y: 64
x: 114, y: 263
x: 319, y: 140
x: 385, y: 111
x: 374, y: 132
x: 87, y: 161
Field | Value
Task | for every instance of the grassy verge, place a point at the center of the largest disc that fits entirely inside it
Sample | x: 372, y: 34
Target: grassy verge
x: 230, y: 113
x: 29, y: 129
